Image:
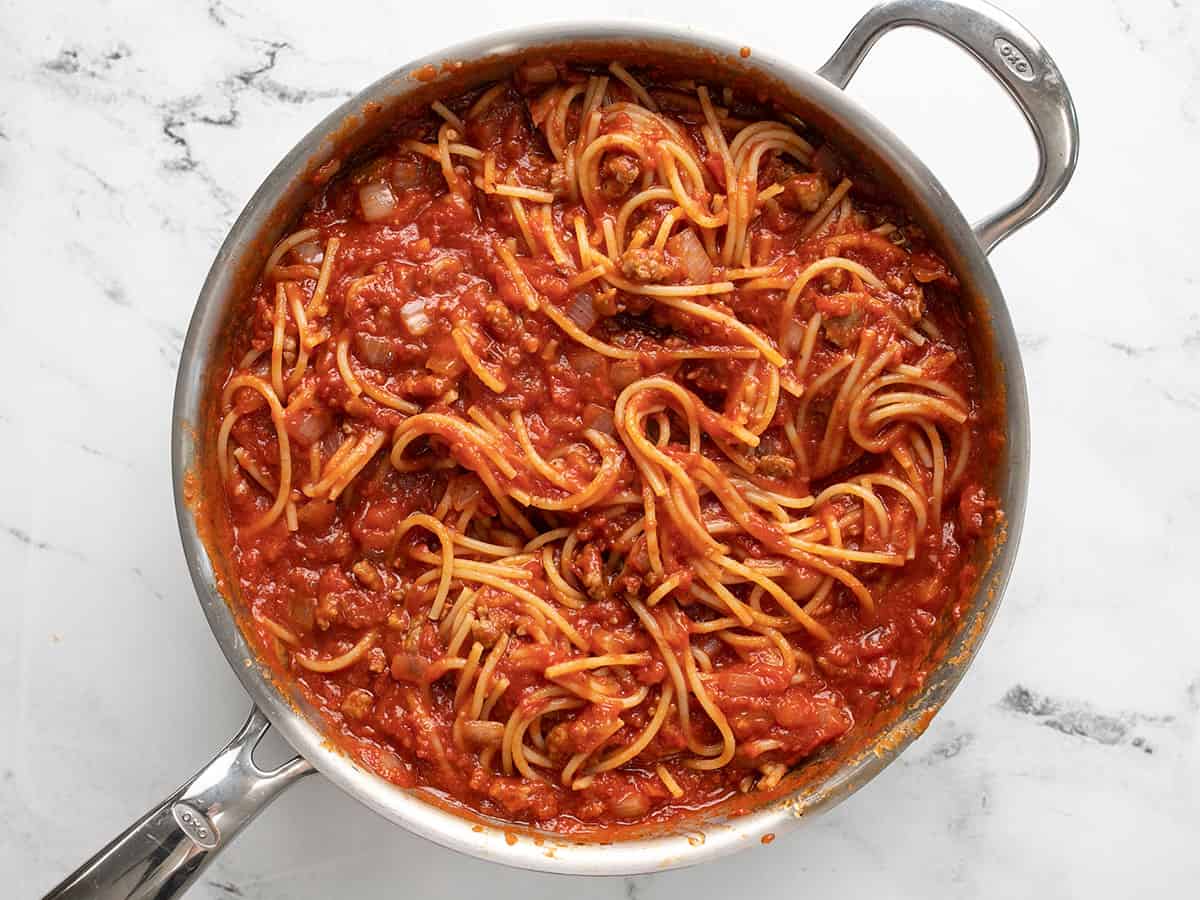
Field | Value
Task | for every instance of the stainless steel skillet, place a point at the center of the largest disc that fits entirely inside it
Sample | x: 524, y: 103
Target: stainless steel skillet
x: 164, y: 852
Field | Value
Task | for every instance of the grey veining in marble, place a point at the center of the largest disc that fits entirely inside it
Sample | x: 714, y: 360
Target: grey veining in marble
x: 1068, y: 763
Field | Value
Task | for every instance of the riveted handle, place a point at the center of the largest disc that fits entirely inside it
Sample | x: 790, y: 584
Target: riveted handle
x: 1016, y: 59
x: 160, y: 855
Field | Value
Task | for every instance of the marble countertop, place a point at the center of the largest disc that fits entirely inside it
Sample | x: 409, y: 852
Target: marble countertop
x: 1068, y: 762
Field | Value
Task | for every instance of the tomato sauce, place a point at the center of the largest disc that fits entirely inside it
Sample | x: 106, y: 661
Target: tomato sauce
x: 421, y: 307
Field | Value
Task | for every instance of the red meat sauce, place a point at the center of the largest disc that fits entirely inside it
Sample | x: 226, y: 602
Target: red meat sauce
x: 438, y: 249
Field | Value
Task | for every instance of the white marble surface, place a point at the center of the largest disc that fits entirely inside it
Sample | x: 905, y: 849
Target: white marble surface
x: 1068, y: 763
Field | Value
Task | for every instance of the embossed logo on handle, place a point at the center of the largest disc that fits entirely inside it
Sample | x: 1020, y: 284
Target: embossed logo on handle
x: 195, y: 825
x: 1014, y: 60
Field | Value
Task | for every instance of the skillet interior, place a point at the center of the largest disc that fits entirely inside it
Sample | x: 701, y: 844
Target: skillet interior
x: 831, y: 775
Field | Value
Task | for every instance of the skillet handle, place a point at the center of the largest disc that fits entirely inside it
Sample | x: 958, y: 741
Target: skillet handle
x: 161, y: 854
x: 1015, y: 59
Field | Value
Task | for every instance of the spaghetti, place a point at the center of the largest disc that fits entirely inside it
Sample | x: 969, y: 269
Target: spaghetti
x: 593, y: 452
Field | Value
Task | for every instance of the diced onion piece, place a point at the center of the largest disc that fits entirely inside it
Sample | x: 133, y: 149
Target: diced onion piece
x: 582, y: 311
x: 303, y: 609
x: 482, y: 733
x: 377, y: 201
x: 416, y: 319
x: 407, y: 172
x: 375, y: 351
x: 539, y: 73
x: 686, y: 247
x: 446, y: 364
x: 307, y: 425
x: 310, y: 252
x: 599, y: 418
x: 623, y: 373
x: 827, y: 163
x: 316, y: 516
x: 585, y: 361
x: 247, y: 400
x: 388, y: 764
x: 744, y: 684
x: 464, y: 490
x: 630, y: 806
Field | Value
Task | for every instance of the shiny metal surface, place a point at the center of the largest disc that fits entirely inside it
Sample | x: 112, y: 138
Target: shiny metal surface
x: 157, y: 857
x: 161, y: 854
x: 1016, y: 60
